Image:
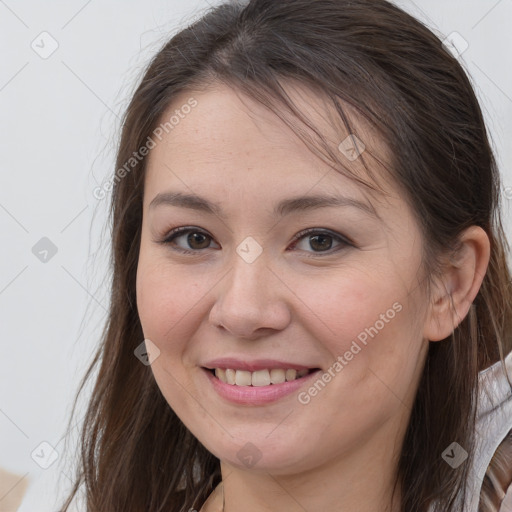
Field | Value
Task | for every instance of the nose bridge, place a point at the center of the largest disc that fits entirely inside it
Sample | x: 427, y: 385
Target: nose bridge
x: 251, y: 278
x: 246, y: 287
x: 250, y: 298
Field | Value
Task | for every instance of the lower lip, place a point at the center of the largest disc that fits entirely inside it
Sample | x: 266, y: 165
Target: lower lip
x: 256, y: 395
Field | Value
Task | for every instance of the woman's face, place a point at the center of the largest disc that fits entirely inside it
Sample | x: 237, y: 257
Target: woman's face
x: 254, y: 297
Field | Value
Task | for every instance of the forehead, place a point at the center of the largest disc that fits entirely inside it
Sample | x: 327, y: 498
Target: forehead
x: 231, y: 138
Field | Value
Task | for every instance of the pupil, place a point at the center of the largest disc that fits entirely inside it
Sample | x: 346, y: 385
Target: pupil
x: 321, y: 237
x: 192, y: 237
x: 322, y: 242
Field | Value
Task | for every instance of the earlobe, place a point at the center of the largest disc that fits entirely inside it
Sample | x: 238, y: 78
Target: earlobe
x: 456, y: 289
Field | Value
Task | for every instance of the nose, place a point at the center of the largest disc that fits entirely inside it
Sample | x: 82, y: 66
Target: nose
x: 251, y: 301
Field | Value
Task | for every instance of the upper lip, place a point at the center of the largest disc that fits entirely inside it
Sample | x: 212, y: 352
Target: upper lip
x: 253, y: 366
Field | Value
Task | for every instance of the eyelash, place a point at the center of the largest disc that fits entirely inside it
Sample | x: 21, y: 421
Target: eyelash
x: 172, y: 235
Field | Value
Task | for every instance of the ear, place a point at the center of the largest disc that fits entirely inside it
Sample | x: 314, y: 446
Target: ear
x: 454, y: 291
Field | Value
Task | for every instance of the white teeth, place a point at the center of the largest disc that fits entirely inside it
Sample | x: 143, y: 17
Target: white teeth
x: 290, y: 375
x: 230, y: 376
x: 243, y: 378
x: 220, y: 373
x: 258, y: 378
x: 277, y: 376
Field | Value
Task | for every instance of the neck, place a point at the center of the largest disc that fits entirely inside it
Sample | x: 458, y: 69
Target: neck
x: 361, y: 480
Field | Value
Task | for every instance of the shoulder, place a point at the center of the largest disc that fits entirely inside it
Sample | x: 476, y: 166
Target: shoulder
x: 506, y: 504
x: 214, y: 503
x: 494, y: 405
x: 493, y: 453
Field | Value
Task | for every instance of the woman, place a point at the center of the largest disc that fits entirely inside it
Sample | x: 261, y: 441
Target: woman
x: 310, y: 286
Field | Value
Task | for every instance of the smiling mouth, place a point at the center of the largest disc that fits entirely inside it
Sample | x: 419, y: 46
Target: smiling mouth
x: 259, y: 378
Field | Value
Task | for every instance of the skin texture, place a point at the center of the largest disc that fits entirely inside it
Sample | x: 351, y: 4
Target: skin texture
x: 295, y: 302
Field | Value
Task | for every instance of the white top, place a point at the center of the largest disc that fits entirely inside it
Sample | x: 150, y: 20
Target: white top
x: 493, y: 424
x: 494, y: 421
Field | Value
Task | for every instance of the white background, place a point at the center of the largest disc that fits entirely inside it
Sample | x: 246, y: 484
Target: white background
x: 59, y: 125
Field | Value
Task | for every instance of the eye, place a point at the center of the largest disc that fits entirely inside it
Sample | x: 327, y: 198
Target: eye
x: 320, y: 240
x: 195, y: 240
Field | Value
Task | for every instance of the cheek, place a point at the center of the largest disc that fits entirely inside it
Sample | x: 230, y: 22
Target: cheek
x: 340, y: 308
x: 368, y: 321
x: 167, y: 301
x: 369, y: 329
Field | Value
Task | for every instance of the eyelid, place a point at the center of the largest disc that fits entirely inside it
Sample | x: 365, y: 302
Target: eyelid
x: 180, y: 231
x: 334, y: 234
x: 344, y: 242
x: 169, y: 237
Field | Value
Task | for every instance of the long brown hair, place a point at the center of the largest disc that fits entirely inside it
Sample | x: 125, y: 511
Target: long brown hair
x: 135, y: 452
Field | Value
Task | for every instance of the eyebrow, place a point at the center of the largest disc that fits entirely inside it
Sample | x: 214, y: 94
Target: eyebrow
x: 285, y: 207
